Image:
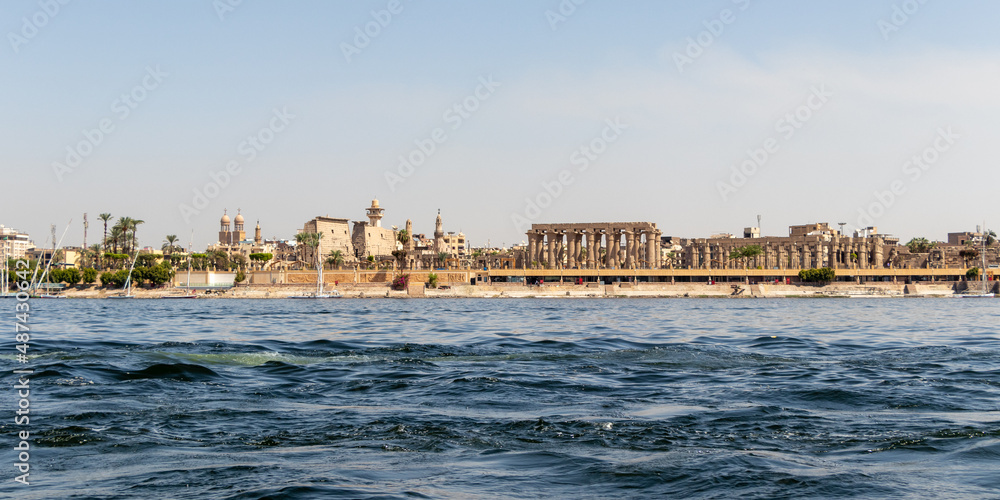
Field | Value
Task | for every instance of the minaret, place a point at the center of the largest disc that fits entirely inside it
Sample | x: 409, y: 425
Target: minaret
x: 256, y: 234
x: 375, y: 214
x: 439, y: 234
x: 409, y: 233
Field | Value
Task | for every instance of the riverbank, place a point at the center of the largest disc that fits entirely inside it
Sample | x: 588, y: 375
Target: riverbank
x: 504, y: 290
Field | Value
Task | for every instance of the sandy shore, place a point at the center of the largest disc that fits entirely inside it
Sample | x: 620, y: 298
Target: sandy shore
x: 623, y: 290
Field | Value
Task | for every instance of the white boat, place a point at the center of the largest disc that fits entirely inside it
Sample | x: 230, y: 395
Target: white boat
x: 127, y: 291
x: 319, y: 294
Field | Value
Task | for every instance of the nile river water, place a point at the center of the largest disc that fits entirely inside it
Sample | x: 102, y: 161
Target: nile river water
x: 692, y: 398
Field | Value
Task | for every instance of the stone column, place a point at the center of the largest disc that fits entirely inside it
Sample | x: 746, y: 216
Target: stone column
x: 531, y: 250
x: 879, y: 259
x: 617, y: 250
x: 560, y: 246
x: 576, y: 249
x: 589, y: 237
x: 658, y: 246
x: 550, y: 257
x: 651, y: 252
x: 629, y: 249
x: 570, y: 245
x: 609, y: 256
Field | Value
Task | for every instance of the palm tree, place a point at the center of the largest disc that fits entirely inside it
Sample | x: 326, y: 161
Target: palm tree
x: 95, y: 250
x: 336, y: 258
x: 135, y: 228
x: 403, y: 237
x: 744, y: 254
x: 442, y: 257
x: 125, y: 225
x: 116, y: 237
x: 169, y: 246
x: 919, y: 245
x: 310, y: 240
x: 968, y: 253
x: 105, y: 217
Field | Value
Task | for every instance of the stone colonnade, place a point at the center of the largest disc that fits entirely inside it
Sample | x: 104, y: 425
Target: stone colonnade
x: 788, y: 253
x: 624, y: 245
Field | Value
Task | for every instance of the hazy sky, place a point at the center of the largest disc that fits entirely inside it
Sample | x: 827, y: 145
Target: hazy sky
x: 602, y: 111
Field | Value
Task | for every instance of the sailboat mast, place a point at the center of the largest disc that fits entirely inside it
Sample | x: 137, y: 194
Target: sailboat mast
x: 188, y: 283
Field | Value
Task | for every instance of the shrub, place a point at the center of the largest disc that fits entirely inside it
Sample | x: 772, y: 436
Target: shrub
x: 401, y: 282
x: 432, y: 280
x: 89, y: 275
x: 71, y: 276
x: 822, y: 275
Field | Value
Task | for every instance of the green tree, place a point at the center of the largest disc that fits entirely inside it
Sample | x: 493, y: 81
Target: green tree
x: 134, y: 226
x: 432, y: 280
x: 336, y: 259
x: 311, y: 241
x: 972, y: 274
x: 146, y: 260
x: 71, y: 276
x: 744, y: 254
x: 239, y: 261
x: 968, y: 253
x: 169, y: 244
x: 919, y: 245
x: 116, y: 237
x: 219, y: 259
x: 442, y: 257
x: 158, y: 274
x: 89, y: 275
x: 105, y: 217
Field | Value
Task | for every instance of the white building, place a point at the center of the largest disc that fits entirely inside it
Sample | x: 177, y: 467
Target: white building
x: 13, y: 244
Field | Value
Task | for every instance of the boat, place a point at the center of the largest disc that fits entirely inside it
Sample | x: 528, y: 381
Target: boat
x: 127, y: 291
x: 985, y: 294
x: 319, y: 294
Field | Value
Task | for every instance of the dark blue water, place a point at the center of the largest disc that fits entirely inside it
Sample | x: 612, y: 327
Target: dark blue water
x: 883, y: 398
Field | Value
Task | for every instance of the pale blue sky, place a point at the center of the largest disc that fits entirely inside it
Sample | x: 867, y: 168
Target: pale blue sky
x: 557, y: 87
